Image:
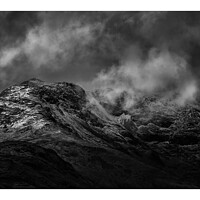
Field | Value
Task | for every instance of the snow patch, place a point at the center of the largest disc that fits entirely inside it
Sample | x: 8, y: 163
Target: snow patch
x: 39, y: 124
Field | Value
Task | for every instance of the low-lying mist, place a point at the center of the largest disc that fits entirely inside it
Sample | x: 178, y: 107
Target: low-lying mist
x: 162, y: 73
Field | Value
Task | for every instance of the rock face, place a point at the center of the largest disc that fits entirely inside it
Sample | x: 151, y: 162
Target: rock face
x: 56, y: 135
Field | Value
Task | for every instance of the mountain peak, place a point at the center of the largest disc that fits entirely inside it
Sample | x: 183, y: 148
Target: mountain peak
x: 36, y: 79
x: 32, y: 81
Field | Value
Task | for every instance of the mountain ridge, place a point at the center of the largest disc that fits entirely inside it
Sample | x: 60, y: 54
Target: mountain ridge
x: 105, y: 151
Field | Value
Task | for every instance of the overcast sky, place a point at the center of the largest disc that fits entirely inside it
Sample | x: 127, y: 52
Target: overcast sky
x: 81, y: 46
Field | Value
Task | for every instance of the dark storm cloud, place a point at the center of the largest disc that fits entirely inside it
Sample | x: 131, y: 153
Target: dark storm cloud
x: 14, y: 25
x: 127, y: 50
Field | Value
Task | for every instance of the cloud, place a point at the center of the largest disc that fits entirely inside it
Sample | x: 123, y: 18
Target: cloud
x: 188, y: 93
x: 162, y: 73
x: 131, y: 52
x: 8, y: 55
x: 42, y: 45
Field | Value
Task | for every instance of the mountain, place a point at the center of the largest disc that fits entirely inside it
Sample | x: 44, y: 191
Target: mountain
x: 56, y: 135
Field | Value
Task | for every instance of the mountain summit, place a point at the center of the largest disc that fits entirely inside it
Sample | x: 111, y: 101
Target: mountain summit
x: 56, y: 135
